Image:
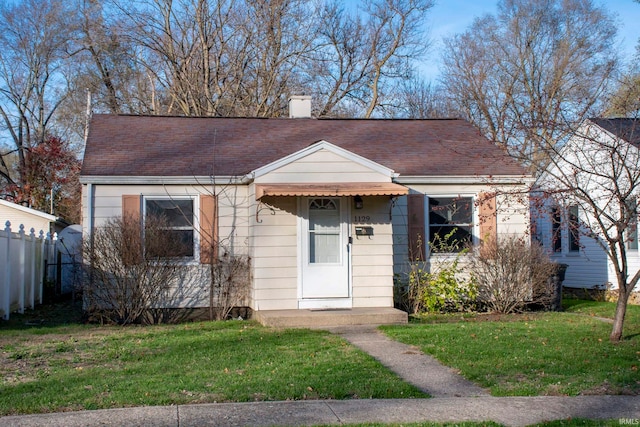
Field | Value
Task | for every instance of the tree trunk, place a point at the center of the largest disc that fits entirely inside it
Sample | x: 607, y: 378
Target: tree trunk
x: 618, y: 320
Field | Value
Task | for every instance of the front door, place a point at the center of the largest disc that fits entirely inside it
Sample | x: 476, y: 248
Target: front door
x: 325, y: 252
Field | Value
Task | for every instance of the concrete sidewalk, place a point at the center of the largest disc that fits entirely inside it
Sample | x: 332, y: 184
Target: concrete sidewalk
x: 454, y: 399
x: 509, y: 411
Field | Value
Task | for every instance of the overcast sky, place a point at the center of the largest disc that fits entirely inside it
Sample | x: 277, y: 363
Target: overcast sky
x: 449, y: 17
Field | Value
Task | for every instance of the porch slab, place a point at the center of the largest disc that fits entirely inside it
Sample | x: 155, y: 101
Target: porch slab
x: 324, y: 318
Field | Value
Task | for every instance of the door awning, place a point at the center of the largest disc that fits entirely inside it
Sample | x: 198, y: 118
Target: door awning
x: 331, y: 189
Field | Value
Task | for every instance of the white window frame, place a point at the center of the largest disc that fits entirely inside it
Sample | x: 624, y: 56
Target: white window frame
x: 474, y: 218
x: 195, y: 259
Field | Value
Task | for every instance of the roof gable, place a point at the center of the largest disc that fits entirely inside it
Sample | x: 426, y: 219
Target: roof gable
x: 322, y: 148
x: 627, y: 129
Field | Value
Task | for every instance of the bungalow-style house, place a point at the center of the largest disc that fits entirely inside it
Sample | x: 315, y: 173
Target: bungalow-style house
x: 326, y: 209
x: 595, y: 169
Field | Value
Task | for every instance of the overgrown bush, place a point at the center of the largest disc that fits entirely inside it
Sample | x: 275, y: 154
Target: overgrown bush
x: 131, y: 277
x: 230, y: 282
x: 439, y: 285
x: 512, y: 273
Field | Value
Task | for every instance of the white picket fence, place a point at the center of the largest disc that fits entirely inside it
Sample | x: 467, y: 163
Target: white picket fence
x: 24, y: 257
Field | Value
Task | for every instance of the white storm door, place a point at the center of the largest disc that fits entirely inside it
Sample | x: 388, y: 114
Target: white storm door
x: 325, y: 251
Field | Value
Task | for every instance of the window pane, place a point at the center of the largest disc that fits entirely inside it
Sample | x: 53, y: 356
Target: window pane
x: 632, y: 225
x: 324, y: 248
x: 459, y: 237
x: 183, y: 242
x: 450, y: 223
x: 174, y: 244
x: 324, y: 231
x: 324, y: 215
x: 574, y: 229
x: 556, y: 235
x: 178, y: 213
x: 450, y: 210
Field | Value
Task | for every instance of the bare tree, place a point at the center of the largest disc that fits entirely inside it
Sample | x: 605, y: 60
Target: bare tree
x: 340, y: 67
x: 626, y: 100
x: 34, y: 37
x: 281, y: 34
x: 598, y: 172
x: 175, y: 46
x: 221, y: 57
x: 395, y: 37
x: 524, y: 75
x: 418, y: 99
x: 362, y: 55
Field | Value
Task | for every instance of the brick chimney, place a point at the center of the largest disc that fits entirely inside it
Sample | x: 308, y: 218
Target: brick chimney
x: 300, y: 107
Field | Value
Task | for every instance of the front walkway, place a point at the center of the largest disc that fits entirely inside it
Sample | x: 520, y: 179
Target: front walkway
x: 415, y: 367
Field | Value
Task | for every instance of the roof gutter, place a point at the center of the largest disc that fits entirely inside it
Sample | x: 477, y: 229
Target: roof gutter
x: 466, y: 179
x: 163, y: 180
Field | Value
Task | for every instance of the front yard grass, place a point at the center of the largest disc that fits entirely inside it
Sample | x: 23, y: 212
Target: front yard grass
x: 535, y: 354
x: 75, y: 367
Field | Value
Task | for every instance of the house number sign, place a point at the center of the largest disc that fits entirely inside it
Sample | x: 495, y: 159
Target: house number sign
x: 361, y: 219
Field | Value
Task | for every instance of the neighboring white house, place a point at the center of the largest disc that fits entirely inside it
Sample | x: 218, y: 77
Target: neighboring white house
x: 601, y: 159
x: 325, y: 208
x: 30, y: 218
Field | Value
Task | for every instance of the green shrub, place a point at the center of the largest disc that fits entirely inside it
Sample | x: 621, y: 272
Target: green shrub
x: 440, y: 285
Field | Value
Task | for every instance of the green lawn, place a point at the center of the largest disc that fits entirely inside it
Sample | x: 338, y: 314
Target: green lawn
x: 53, y: 363
x: 67, y: 367
x: 538, y: 354
x: 604, y: 309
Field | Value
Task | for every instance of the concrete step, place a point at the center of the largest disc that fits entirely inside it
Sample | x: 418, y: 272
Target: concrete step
x: 331, y: 317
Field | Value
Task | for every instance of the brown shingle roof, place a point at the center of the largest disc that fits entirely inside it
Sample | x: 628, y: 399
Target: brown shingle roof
x: 624, y: 128
x: 120, y: 145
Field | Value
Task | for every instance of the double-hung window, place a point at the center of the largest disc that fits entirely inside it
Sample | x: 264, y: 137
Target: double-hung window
x: 574, y: 229
x: 571, y: 226
x: 450, y: 223
x: 632, y: 224
x: 556, y: 229
x: 176, y: 218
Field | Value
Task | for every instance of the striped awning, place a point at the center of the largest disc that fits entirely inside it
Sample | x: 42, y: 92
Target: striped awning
x: 331, y: 189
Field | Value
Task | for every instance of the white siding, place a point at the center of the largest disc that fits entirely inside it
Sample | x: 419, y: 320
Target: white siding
x: 274, y: 251
x: 18, y: 217
x: 322, y: 166
x: 372, y: 256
